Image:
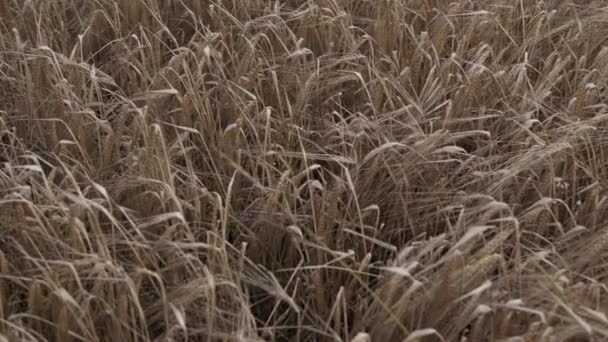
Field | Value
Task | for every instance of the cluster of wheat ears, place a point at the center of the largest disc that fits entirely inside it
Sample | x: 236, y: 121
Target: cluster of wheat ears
x: 303, y: 170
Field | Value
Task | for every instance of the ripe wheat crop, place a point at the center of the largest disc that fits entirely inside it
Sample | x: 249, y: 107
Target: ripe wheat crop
x: 303, y: 170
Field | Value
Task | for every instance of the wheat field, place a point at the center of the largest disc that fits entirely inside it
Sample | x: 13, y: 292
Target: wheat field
x: 303, y: 170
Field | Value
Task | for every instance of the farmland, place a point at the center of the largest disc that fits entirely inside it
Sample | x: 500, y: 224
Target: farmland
x: 303, y: 170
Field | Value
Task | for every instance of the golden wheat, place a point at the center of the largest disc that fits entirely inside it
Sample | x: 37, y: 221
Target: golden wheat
x: 303, y: 170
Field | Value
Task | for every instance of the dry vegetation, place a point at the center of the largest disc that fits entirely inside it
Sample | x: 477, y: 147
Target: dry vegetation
x: 303, y: 170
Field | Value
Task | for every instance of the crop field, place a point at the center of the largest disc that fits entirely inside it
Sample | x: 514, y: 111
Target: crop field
x: 303, y: 170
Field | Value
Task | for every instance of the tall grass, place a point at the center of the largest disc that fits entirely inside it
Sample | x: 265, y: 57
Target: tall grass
x: 303, y: 170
